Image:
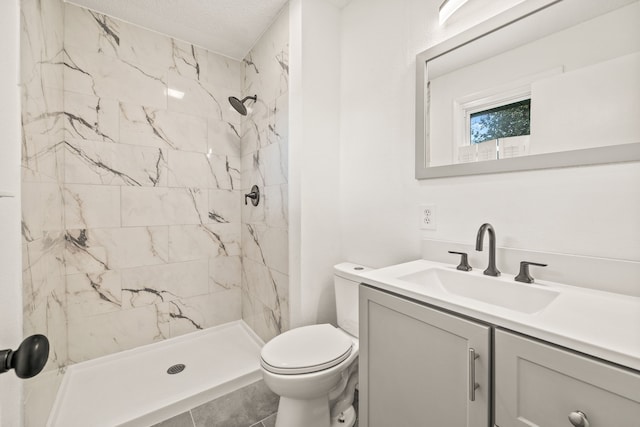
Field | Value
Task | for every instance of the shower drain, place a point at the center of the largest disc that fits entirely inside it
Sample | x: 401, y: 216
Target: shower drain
x: 176, y: 369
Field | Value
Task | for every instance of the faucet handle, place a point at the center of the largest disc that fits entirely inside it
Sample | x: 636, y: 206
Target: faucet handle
x: 524, y: 276
x: 464, y: 261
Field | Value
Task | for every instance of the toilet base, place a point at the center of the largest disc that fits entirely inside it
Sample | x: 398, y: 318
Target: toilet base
x: 308, y: 413
x: 311, y: 413
x: 346, y: 419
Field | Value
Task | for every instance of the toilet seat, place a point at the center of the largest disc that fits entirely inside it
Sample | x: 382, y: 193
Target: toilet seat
x: 305, y: 350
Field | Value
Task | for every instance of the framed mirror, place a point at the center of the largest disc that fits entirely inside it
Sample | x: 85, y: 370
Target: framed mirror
x: 545, y: 84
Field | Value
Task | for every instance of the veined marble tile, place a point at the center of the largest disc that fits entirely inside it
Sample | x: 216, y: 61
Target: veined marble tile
x: 254, y: 137
x: 223, y: 71
x: 145, y: 206
x: 189, y: 61
x: 260, y: 113
x: 91, y: 206
x: 266, y: 125
x: 43, y: 271
x: 269, y: 286
x: 154, y: 127
x: 271, y: 318
x: 93, y: 162
x: 224, y: 206
x: 44, y: 299
x: 254, y: 214
x: 91, y: 294
x: 91, y: 30
x: 267, y: 70
x: 43, y: 133
x: 104, y: 76
x: 42, y: 111
x: 200, y: 98
x: 188, y: 169
x: 193, y: 242
x: 278, y: 127
x: 276, y: 206
x: 96, y: 250
x: 282, y: 317
x: 42, y: 158
x: 259, y: 317
x: 252, y: 170
x: 223, y: 138
x: 266, y: 245
x: 42, y: 209
x: 44, y: 74
x: 89, y: 117
x: 134, y: 246
x: 225, y: 272
x: 226, y: 172
x: 95, y: 32
x: 108, y: 333
x: 41, y: 41
x: 267, y: 166
x: 192, y: 97
x: 143, y: 286
x: 204, y: 311
x: 49, y: 318
x: 276, y: 163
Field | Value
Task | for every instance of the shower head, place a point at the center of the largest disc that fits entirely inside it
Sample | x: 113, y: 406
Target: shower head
x: 239, y: 105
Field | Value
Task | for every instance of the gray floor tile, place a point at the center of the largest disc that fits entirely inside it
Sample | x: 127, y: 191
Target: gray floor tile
x: 240, y: 408
x: 270, y: 421
x: 182, y: 420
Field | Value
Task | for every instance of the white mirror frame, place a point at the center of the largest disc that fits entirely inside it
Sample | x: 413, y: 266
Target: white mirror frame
x: 591, y: 156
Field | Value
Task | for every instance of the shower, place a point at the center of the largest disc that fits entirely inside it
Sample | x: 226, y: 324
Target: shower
x: 239, y: 105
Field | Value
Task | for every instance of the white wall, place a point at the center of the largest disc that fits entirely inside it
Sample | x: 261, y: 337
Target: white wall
x: 314, y: 173
x: 10, y: 293
x: 587, y: 210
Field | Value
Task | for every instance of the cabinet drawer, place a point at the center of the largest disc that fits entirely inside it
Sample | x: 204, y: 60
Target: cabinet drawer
x: 540, y: 385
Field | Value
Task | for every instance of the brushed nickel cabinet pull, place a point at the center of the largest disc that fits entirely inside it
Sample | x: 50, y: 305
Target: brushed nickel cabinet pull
x: 473, y: 385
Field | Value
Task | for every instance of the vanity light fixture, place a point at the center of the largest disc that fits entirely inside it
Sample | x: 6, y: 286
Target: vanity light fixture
x: 448, y: 8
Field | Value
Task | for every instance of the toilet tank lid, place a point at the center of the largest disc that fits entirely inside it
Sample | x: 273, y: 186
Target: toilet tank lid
x: 350, y: 270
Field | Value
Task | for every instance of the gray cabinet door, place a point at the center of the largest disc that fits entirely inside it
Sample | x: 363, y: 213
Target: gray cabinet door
x: 415, y: 365
x: 540, y: 385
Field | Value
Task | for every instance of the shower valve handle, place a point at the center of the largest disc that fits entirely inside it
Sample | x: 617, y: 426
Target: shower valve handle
x: 254, y: 195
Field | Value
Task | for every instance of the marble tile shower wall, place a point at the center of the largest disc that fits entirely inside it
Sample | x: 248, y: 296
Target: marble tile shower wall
x: 43, y: 231
x: 265, y: 253
x: 132, y: 185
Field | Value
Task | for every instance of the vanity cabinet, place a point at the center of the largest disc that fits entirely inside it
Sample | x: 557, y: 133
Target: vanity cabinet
x: 541, y: 385
x: 419, y: 366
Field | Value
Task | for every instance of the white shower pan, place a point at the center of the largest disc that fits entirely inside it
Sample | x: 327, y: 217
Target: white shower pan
x: 132, y: 388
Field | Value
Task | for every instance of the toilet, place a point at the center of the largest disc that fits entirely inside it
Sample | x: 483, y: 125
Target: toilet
x: 314, y: 369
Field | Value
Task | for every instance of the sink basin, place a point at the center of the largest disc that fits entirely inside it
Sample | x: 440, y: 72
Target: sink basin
x: 512, y: 295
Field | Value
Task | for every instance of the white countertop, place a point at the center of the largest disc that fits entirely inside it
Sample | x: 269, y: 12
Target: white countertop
x: 601, y: 324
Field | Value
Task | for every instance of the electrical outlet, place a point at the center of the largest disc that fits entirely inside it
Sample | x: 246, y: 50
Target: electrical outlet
x: 427, y: 217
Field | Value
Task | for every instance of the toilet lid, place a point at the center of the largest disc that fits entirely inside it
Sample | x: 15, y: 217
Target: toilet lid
x: 306, y: 349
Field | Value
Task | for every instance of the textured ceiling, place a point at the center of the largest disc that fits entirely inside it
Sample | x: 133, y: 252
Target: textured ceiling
x: 228, y: 27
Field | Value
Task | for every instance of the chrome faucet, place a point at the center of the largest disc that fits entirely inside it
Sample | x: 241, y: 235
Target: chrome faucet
x: 491, y: 269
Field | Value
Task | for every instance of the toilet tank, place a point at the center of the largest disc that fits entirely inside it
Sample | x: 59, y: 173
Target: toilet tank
x: 346, y: 281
